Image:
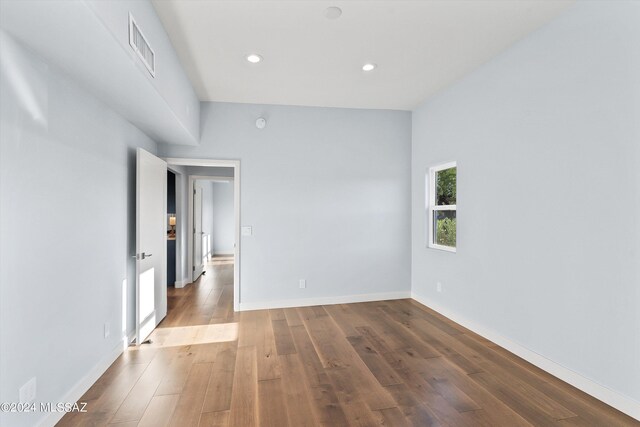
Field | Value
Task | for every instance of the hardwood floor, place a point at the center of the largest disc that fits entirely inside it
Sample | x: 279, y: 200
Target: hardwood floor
x: 391, y: 363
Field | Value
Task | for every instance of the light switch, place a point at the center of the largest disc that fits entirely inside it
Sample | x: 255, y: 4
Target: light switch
x: 246, y: 231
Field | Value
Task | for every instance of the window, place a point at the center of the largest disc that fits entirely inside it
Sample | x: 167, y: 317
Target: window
x: 442, y: 207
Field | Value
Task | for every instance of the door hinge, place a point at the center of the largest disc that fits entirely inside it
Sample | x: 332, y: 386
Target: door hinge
x: 193, y: 268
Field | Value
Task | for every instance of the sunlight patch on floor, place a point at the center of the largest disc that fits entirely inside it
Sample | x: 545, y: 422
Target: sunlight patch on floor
x: 191, y: 335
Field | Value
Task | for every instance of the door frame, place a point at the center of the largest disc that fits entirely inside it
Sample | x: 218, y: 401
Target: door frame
x: 235, y: 164
x: 180, y: 176
x: 190, y: 222
x: 191, y: 226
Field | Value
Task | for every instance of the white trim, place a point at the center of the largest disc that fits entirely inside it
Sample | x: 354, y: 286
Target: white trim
x: 212, y: 178
x: 191, y: 230
x: 126, y: 341
x: 235, y: 164
x: 176, y: 161
x: 307, y: 302
x: 181, y: 283
x: 431, y: 206
x: 81, y: 387
x: 442, y: 247
x: 179, y: 188
x: 236, y: 255
x: 612, y: 398
x: 443, y: 166
x: 445, y: 208
x: 209, y: 254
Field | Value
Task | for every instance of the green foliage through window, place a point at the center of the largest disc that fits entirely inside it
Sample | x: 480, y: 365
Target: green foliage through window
x: 443, y: 200
x: 446, y: 187
x: 446, y: 232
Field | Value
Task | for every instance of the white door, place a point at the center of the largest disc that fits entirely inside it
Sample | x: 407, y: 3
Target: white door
x: 151, y: 243
x: 198, y: 264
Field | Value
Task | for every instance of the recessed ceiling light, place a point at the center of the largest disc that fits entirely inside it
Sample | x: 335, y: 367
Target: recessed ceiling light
x: 254, y: 58
x: 332, y: 12
x: 369, y: 67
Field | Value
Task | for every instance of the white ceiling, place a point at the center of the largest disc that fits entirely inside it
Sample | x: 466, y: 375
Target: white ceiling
x: 420, y: 47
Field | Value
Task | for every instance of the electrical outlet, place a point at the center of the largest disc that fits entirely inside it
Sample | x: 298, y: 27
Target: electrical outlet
x: 107, y: 330
x: 439, y: 287
x: 303, y: 283
x: 27, y: 392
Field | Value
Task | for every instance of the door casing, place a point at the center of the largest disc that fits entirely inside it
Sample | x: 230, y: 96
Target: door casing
x: 196, y: 231
x: 235, y: 164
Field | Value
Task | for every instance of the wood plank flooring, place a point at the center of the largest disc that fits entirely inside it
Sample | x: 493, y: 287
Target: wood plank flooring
x: 389, y: 363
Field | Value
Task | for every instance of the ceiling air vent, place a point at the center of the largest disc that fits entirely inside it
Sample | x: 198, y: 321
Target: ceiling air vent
x: 140, y: 45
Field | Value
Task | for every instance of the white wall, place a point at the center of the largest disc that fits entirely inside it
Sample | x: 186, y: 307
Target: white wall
x: 223, y: 232
x: 67, y: 221
x: 326, y: 192
x: 171, y: 81
x: 547, y: 139
x: 210, y: 171
x: 88, y: 40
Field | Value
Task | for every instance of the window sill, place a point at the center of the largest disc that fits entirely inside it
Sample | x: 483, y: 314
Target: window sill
x: 442, y: 248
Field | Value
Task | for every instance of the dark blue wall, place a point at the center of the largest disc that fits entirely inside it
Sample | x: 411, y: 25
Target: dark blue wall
x: 171, y: 244
x: 171, y: 192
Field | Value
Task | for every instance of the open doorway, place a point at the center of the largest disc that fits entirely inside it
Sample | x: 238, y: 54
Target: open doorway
x: 207, y: 231
x: 213, y: 220
x: 159, y: 223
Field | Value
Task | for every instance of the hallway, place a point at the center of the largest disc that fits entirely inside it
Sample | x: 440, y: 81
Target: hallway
x: 212, y: 296
x: 392, y: 363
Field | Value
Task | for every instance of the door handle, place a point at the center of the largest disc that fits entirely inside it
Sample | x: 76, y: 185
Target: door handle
x: 142, y: 256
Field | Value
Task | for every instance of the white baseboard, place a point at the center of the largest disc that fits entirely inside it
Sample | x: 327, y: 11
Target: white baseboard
x: 181, y: 283
x: 81, y: 387
x: 129, y: 339
x: 619, y: 401
x: 307, y: 302
x: 612, y: 398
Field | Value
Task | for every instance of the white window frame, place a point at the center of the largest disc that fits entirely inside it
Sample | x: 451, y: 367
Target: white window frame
x: 432, y: 207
